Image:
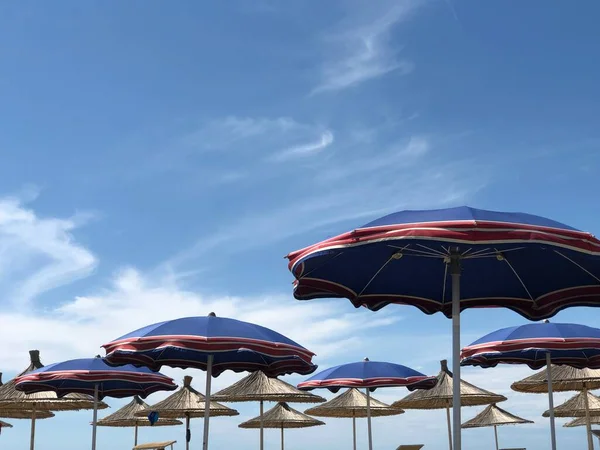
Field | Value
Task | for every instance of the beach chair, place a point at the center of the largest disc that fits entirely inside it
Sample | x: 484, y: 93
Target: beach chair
x: 411, y: 447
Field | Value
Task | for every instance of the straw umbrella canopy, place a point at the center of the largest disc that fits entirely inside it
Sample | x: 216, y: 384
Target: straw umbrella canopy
x: 576, y: 406
x: 581, y: 422
x: 564, y: 378
x: 440, y: 397
x: 492, y: 416
x: 282, y: 416
x: 125, y: 417
x: 11, y: 398
x: 353, y: 403
x: 186, y: 403
x: 258, y: 387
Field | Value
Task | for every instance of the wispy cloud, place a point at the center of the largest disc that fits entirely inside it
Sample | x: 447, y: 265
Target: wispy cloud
x: 364, y: 51
x: 38, y: 254
x: 303, y: 150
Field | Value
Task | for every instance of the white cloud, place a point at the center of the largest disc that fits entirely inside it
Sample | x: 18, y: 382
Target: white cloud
x: 38, y: 253
x: 362, y: 51
x: 303, y: 150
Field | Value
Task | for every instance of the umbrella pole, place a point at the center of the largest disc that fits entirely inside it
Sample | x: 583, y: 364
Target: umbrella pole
x: 135, y: 435
x: 32, y: 438
x: 209, y: 363
x: 455, y: 274
x: 449, y: 427
x: 370, y: 433
x: 354, y: 428
x: 551, y: 401
x: 588, y: 425
x: 282, y: 446
x: 496, y: 436
x: 262, y: 430
x: 95, y: 419
x: 187, y: 431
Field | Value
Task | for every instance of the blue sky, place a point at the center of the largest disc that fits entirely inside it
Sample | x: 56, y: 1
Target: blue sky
x: 159, y: 160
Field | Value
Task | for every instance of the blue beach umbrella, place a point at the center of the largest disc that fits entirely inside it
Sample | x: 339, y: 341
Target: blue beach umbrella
x: 93, y: 376
x: 213, y: 344
x: 369, y: 375
x: 537, y: 345
x: 448, y: 260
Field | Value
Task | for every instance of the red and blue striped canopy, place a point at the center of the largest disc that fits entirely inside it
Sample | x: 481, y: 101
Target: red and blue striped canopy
x: 187, y: 343
x: 368, y: 374
x: 532, y: 265
x: 568, y: 343
x: 82, y: 375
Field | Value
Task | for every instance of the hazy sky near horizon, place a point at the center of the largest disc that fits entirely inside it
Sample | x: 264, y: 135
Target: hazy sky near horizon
x: 158, y: 160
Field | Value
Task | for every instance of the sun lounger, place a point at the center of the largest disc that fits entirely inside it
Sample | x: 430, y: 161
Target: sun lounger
x: 155, y: 446
x: 411, y: 447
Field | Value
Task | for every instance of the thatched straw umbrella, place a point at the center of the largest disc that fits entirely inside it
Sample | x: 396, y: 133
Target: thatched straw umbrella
x: 440, y: 397
x: 492, y: 416
x: 186, y: 403
x: 353, y: 403
x: 564, y: 378
x: 258, y: 387
x: 4, y: 425
x: 282, y: 416
x: 581, y: 422
x: 125, y: 417
x: 584, y: 404
x: 12, y: 399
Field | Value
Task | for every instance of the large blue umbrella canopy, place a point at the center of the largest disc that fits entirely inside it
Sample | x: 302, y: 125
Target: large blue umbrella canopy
x: 214, y: 344
x: 566, y: 343
x: 94, y: 376
x: 537, y: 345
x: 447, y: 260
x: 190, y: 341
x: 369, y: 375
x: 530, y: 264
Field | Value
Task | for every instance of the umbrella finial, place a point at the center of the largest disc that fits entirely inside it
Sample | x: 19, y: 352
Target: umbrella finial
x: 0, y: 378
x: 212, y: 314
x: 444, y: 364
x: 187, y: 381
x: 34, y: 356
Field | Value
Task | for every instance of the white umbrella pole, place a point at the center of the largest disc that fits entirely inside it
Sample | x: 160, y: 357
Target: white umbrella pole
x: 95, y: 419
x: 449, y: 427
x: 496, y: 436
x: 354, y: 428
x: 209, y: 363
x: 588, y: 425
x: 456, y: 421
x: 551, y: 401
x: 135, y: 435
x: 370, y: 433
x: 32, y: 438
x: 282, y: 446
x: 262, y: 430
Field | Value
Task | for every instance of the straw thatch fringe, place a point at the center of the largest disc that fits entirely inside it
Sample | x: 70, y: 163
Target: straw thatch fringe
x: 125, y: 417
x: 440, y: 396
x: 580, y: 422
x: 24, y: 414
x: 575, y: 406
x: 10, y: 398
x: 352, y: 403
x: 282, y: 416
x: 258, y: 386
x: 494, y: 416
x: 186, y: 402
x: 564, y: 378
